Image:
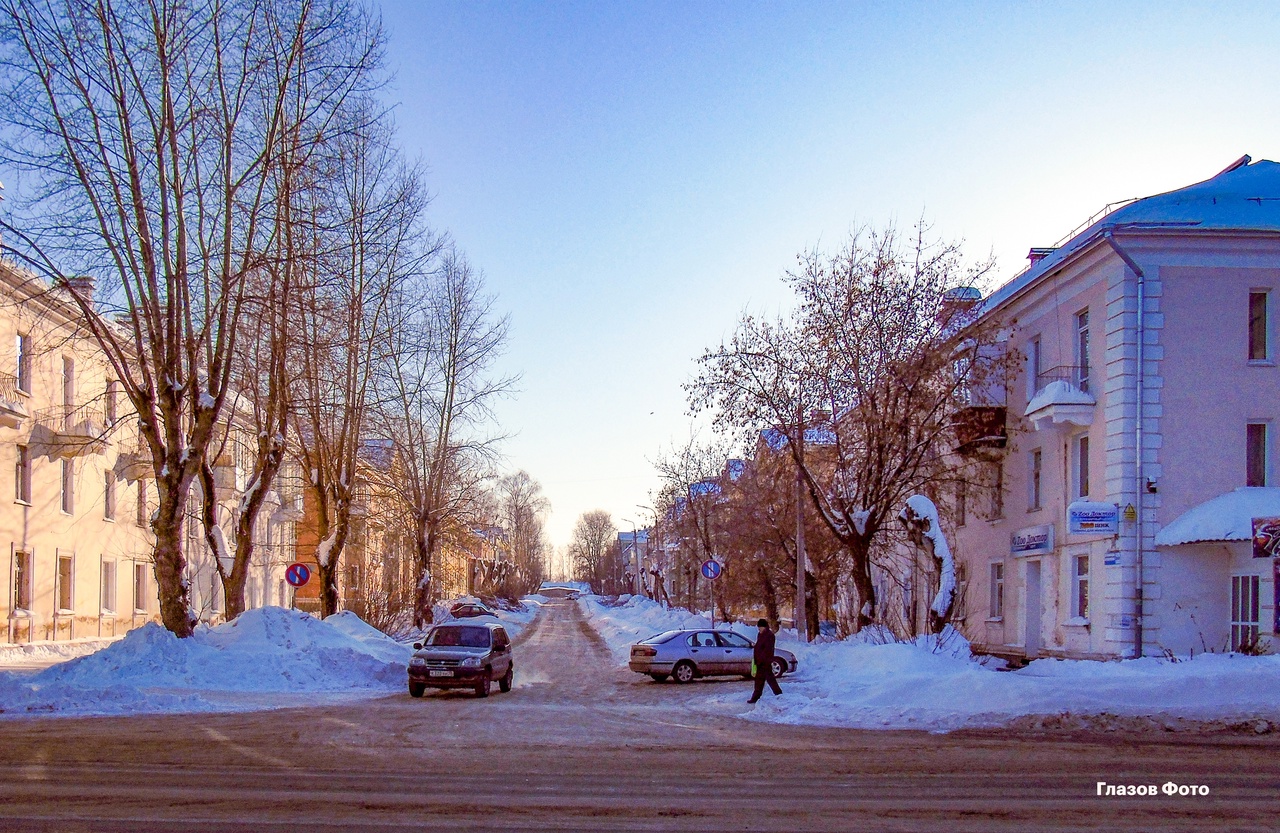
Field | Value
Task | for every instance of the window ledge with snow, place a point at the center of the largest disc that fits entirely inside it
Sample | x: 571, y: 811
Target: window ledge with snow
x: 995, y: 620
x: 1262, y: 363
x: 1077, y: 622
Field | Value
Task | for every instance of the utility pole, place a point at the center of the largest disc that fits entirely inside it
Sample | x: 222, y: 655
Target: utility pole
x: 801, y: 621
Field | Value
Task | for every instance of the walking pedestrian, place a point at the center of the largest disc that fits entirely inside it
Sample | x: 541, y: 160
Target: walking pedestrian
x: 762, y: 660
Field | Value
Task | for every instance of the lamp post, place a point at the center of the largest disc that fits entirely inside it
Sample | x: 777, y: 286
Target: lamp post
x: 638, y: 577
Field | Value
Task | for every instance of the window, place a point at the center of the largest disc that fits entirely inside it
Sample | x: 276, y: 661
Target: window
x: 141, y: 504
x: 997, y: 590
x: 68, y: 385
x: 22, y: 580
x: 1034, y: 366
x: 1244, y: 612
x: 215, y: 593
x: 66, y: 584
x: 139, y: 587
x: 108, y: 587
x: 1082, y: 466
x: 1256, y: 454
x: 22, y: 475
x: 1082, y: 350
x: 68, y: 487
x: 24, y: 362
x: 1259, y: 348
x: 112, y: 402
x: 1033, y: 485
x: 1080, y: 599
x: 109, y: 495
x: 996, y: 498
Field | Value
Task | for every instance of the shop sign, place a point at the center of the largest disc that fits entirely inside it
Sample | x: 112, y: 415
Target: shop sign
x: 1266, y: 537
x: 1086, y: 517
x: 1034, y: 540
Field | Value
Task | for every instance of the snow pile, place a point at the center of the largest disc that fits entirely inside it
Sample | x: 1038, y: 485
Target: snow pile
x: 266, y: 651
x: 634, y: 618
x: 934, y: 683
x: 41, y: 654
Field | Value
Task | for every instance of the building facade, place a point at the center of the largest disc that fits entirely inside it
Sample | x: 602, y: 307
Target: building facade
x: 1139, y: 440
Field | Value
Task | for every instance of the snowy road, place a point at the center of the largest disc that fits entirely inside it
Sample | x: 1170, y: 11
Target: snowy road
x: 581, y: 744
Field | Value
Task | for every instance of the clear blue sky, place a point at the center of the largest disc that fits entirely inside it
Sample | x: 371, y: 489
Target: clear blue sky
x: 631, y: 177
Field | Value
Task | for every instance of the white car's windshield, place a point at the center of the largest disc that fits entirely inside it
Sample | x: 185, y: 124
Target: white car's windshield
x: 460, y: 637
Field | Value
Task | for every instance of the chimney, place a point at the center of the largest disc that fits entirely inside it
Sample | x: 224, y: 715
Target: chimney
x: 82, y: 285
x: 1038, y: 254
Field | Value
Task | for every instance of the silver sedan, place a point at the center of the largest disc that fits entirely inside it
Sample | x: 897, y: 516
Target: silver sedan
x: 686, y: 654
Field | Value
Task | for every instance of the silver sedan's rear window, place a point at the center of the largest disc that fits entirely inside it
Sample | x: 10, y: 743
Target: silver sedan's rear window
x: 665, y: 636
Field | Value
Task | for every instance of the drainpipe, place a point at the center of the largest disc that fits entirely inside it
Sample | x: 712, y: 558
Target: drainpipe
x: 1140, y: 483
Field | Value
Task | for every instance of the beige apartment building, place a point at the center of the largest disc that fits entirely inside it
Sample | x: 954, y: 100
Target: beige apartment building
x: 74, y: 506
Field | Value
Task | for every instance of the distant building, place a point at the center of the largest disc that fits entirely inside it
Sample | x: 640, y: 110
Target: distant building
x: 1142, y: 430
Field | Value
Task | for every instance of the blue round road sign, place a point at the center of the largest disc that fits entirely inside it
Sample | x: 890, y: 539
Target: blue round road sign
x: 297, y: 574
x: 712, y: 569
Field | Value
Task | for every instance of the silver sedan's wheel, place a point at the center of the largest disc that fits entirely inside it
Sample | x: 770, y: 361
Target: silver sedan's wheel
x: 779, y: 667
x: 683, y: 672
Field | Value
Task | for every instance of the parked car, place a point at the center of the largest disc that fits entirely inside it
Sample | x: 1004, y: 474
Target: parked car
x: 457, y: 655
x: 467, y: 610
x: 686, y: 654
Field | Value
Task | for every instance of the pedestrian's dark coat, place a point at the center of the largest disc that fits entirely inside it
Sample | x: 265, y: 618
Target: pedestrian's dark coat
x: 763, y: 653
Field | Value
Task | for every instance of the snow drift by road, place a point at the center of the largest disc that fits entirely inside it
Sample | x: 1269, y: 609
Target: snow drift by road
x: 937, y: 685
x: 265, y: 658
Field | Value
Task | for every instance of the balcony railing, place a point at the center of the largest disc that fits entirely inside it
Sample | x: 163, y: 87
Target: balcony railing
x: 76, y: 431
x: 13, y: 409
x: 1073, y: 374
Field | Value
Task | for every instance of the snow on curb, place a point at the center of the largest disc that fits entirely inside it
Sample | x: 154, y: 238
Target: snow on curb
x: 935, y: 684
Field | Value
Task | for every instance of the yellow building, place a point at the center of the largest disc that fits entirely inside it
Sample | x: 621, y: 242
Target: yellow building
x: 74, y: 508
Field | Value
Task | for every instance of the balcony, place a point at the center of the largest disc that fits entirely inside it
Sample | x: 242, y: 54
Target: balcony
x: 74, y: 432
x: 13, y: 409
x: 135, y: 464
x: 1062, y: 399
x: 980, y: 430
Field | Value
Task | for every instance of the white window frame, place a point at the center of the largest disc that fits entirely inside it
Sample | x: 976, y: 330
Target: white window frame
x: 1035, y: 365
x: 28, y: 580
x: 108, y: 595
x: 1082, y: 350
x: 140, y: 585
x: 995, y: 607
x: 109, y: 495
x: 1246, y: 607
x: 25, y: 363
x: 1080, y: 469
x: 1265, y: 452
x: 1080, y: 569
x: 1267, y: 356
x: 65, y: 585
x: 22, y: 475
x: 1035, y: 479
x: 68, y: 487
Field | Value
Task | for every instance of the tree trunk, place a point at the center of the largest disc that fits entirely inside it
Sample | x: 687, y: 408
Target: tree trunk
x: 327, y: 575
x: 811, y: 613
x: 423, y: 597
x: 170, y: 565
x: 866, y: 590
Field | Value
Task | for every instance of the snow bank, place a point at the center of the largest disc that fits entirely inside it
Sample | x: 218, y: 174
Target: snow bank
x: 39, y: 654
x: 265, y: 651
x: 935, y: 684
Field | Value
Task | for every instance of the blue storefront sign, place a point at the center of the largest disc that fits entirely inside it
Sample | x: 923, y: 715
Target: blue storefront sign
x: 1034, y: 540
x: 1086, y: 517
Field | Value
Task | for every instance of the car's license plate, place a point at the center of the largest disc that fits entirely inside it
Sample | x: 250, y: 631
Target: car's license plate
x: 442, y: 673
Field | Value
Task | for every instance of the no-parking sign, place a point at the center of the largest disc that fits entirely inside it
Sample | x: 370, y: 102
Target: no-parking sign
x: 298, y: 574
x: 712, y: 569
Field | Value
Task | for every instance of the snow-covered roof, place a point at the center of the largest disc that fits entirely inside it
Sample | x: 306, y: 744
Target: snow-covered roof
x: 777, y: 439
x: 1244, y: 197
x: 1227, y: 517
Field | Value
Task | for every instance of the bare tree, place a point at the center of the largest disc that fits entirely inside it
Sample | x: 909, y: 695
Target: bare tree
x: 150, y: 134
x: 879, y: 359
x: 437, y: 392
x: 366, y: 216
x: 592, y: 546
x: 522, y: 509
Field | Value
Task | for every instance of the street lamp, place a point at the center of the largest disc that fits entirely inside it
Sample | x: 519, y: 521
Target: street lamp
x: 638, y: 577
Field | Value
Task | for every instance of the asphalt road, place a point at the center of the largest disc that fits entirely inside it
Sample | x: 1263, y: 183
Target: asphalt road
x: 580, y: 745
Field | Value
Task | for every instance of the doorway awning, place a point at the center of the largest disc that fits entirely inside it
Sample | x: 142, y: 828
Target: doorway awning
x: 1227, y: 517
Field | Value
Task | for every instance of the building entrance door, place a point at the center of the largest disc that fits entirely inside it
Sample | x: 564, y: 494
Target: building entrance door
x: 1032, y: 612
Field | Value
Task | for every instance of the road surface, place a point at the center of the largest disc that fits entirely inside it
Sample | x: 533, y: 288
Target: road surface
x: 581, y: 745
